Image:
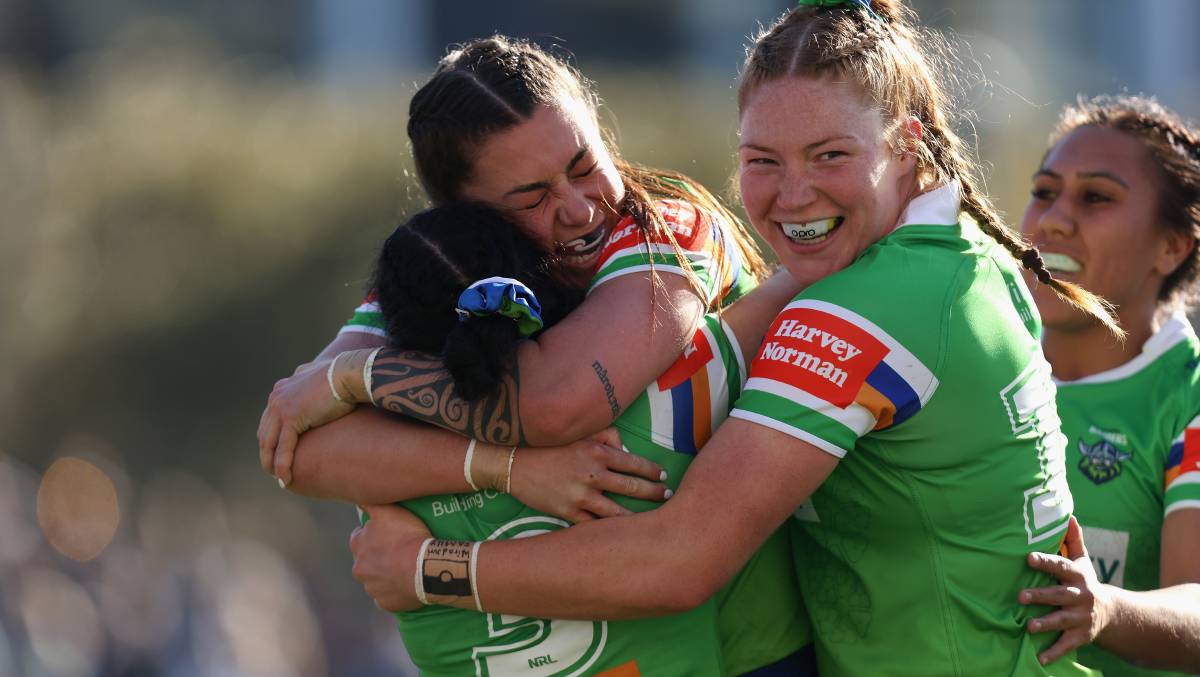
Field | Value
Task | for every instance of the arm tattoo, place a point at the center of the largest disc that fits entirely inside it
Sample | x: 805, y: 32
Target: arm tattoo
x: 609, y: 392
x: 417, y: 385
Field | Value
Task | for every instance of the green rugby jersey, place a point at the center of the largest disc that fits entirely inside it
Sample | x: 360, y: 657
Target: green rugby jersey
x: 919, y: 367
x: 1133, y: 456
x: 757, y: 619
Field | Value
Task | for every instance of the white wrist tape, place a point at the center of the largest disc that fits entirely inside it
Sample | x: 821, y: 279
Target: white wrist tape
x: 467, y: 465
x: 329, y: 377
x: 367, y: 373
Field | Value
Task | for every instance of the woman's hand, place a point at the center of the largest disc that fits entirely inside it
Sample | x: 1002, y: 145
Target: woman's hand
x: 297, y: 403
x: 385, y: 556
x: 570, y: 481
x: 1084, y: 603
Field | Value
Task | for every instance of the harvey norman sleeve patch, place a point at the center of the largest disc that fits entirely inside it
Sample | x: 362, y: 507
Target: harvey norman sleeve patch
x: 819, y: 353
x: 828, y: 376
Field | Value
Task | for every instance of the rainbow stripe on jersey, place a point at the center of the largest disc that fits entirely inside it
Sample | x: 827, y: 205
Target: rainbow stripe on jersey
x: 1182, y: 476
x: 707, y: 246
x: 690, y: 399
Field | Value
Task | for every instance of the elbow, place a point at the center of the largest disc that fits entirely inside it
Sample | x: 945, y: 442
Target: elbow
x: 558, y: 418
x: 669, y: 593
x: 686, y: 593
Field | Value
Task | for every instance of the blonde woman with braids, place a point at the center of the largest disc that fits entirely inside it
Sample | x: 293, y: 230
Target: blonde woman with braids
x: 899, y: 415
x: 1115, y: 207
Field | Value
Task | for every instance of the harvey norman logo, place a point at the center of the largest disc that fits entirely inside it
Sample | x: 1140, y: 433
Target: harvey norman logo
x: 820, y: 353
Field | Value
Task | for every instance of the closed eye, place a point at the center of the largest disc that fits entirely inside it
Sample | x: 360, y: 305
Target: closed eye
x: 1042, y: 194
x: 535, y: 205
x: 587, y: 172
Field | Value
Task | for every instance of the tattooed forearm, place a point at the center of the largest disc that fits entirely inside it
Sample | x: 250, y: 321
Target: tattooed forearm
x: 417, y: 385
x: 609, y: 391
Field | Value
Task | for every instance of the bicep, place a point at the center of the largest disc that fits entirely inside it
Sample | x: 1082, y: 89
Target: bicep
x: 1180, y: 561
x: 580, y: 374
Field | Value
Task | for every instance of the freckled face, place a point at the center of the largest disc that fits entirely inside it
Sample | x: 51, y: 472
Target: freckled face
x: 818, y: 176
x: 553, y: 175
x: 1093, y: 213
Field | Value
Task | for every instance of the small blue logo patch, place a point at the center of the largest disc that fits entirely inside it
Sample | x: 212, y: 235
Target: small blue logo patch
x: 1101, y: 461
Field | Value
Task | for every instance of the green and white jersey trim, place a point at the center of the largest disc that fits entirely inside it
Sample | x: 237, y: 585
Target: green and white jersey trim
x: 1175, y: 330
x: 367, y: 319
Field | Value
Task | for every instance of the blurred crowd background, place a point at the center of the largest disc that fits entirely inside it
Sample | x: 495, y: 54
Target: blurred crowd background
x: 190, y: 194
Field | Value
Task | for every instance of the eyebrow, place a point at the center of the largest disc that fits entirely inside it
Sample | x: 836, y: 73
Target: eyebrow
x: 764, y: 149
x: 1084, y: 175
x: 542, y: 185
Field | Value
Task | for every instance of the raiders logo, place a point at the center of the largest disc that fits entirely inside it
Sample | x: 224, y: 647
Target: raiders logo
x: 1101, y: 461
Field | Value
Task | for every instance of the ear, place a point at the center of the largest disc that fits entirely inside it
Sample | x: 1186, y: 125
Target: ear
x: 1176, y: 248
x: 908, y: 137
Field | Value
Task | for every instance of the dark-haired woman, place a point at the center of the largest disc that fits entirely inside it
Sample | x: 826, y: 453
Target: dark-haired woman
x: 899, y: 411
x: 1115, y: 207
x: 502, y: 123
x: 445, y: 285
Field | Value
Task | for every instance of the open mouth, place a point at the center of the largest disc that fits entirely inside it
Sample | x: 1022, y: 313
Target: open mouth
x: 1060, y: 263
x: 582, y: 247
x: 812, y: 232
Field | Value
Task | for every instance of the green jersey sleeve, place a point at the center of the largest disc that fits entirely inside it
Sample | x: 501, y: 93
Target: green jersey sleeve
x: 828, y: 376
x: 367, y: 318
x: 1182, y: 477
x: 704, y: 245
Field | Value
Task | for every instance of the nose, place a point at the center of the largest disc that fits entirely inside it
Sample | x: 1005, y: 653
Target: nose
x: 576, y: 209
x: 796, y: 190
x: 1056, y: 222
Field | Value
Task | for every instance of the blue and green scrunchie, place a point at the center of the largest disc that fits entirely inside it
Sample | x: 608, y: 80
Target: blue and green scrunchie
x: 502, y: 296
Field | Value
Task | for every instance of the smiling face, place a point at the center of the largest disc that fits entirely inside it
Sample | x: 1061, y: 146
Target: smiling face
x: 1093, y: 214
x: 819, y: 179
x: 553, y: 175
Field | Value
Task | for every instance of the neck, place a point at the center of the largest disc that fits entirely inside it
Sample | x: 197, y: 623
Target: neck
x: 1078, y: 352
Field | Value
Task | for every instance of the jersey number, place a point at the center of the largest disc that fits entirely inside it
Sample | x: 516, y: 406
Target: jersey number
x: 536, y: 646
x: 1029, y: 401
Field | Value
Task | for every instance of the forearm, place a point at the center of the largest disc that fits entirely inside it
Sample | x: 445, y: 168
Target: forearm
x: 585, y: 572
x: 370, y: 457
x: 1157, y: 628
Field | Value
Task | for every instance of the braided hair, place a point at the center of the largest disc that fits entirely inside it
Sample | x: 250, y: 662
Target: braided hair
x: 426, y: 264
x: 881, y: 50
x: 1174, y: 146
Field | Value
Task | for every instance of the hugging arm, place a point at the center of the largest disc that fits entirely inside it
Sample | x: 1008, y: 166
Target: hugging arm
x: 1157, y: 629
x: 738, y: 491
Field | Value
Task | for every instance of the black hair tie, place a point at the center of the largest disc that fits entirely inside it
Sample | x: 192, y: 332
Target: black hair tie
x: 1032, y: 260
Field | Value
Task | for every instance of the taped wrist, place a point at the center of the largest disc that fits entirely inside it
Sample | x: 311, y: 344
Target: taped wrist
x: 445, y: 573
x: 348, y: 373
x: 491, y: 467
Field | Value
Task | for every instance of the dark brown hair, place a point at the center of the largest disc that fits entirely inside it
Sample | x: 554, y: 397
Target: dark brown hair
x: 887, y: 57
x: 1174, y: 148
x: 493, y: 84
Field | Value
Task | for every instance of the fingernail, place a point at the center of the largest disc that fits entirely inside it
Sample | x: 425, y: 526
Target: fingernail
x: 1025, y: 596
x: 667, y: 494
x: 662, y: 476
x: 281, y: 484
x: 1035, y: 626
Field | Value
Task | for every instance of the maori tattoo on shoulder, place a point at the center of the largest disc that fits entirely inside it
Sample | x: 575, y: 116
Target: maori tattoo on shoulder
x: 417, y: 385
